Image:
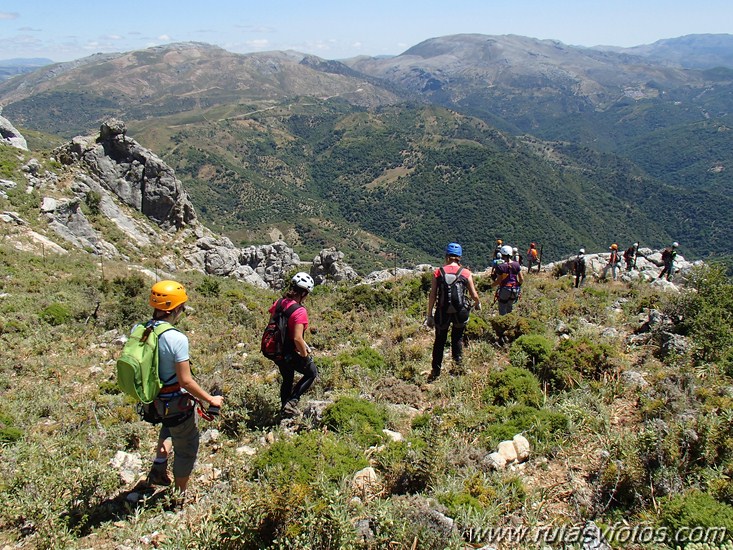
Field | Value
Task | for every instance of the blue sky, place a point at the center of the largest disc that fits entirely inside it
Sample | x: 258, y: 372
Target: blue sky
x: 63, y: 30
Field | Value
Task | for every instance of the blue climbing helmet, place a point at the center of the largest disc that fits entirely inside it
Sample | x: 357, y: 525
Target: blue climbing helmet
x: 454, y: 249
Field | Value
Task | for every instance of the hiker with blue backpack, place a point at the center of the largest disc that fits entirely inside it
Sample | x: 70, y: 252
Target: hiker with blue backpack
x: 295, y: 355
x: 447, y: 306
x: 175, y: 403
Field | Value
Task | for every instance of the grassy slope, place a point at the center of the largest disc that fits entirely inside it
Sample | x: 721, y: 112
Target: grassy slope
x: 598, y: 448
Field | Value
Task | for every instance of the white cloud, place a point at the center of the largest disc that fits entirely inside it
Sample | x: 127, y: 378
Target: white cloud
x: 4, y: 15
x: 164, y: 37
x: 357, y: 45
x: 260, y: 44
x: 29, y: 29
x: 113, y: 37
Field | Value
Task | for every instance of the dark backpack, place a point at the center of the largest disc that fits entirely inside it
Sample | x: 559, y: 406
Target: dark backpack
x: 275, y: 344
x: 580, y: 264
x: 452, y: 288
x: 666, y: 254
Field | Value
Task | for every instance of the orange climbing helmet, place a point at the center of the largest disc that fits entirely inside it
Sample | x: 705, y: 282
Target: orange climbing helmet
x: 167, y: 295
x: 614, y: 246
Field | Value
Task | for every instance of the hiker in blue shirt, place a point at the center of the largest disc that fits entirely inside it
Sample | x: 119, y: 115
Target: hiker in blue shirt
x: 174, y: 403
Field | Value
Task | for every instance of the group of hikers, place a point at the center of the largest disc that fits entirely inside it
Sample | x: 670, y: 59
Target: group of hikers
x: 669, y: 254
x: 448, y: 311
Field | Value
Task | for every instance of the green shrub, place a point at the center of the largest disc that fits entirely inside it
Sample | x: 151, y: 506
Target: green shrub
x: 93, y: 201
x: 541, y: 425
x: 695, y: 509
x: 366, y: 357
x: 307, y: 457
x: 407, y: 466
x: 512, y: 385
x: 362, y: 297
x: 574, y: 361
x: 362, y: 419
x: 478, y: 329
x: 535, y: 347
x: 56, y: 314
x: 508, y: 328
x: 210, y: 287
x: 8, y: 432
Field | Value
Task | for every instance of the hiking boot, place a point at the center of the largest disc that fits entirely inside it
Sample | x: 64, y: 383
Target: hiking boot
x: 290, y: 409
x: 159, y: 475
x: 433, y: 375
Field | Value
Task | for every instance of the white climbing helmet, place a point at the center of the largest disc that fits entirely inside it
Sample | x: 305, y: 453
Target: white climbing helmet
x: 675, y: 244
x: 303, y: 281
x: 581, y: 251
x: 506, y: 250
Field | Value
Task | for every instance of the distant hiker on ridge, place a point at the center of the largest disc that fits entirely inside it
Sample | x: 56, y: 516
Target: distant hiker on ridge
x: 613, y: 262
x: 447, y: 305
x: 579, y: 267
x: 669, y: 255
x: 509, y: 281
x: 497, y: 248
x: 533, y: 257
x: 630, y: 256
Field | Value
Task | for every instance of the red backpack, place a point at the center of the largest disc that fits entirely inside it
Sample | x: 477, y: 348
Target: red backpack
x: 275, y: 344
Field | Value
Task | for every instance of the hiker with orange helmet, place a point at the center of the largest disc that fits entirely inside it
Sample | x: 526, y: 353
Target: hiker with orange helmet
x: 175, y: 404
x: 533, y: 257
x: 614, y: 260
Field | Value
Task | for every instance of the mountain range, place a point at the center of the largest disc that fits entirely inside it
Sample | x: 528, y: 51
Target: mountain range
x: 466, y: 137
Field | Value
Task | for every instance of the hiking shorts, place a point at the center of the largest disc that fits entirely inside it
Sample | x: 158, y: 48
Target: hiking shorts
x: 185, y: 437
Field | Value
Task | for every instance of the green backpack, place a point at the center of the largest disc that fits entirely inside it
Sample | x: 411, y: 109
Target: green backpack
x: 137, y: 367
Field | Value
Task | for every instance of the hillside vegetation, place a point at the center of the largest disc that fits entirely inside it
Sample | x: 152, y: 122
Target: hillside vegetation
x: 627, y: 413
x: 597, y: 146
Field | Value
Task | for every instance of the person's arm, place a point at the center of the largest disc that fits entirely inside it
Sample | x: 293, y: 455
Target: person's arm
x: 520, y: 278
x: 474, y: 294
x: 301, y: 348
x: 188, y: 383
x: 432, y: 296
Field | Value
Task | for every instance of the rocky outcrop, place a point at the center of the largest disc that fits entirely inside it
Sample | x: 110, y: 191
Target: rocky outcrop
x: 264, y: 265
x: 137, y: 176
x: 10, y: 135
x: 112, y: 168
x: 66, y: 218
x: 330, y: 265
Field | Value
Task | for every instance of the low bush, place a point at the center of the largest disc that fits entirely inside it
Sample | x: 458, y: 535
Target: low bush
x: 56, y: 314
x: 536, y: 349
x: 541, y: 425
x: 8, y: 432
x: 695, y: 509
x: 574, y: 361
x: 363, y: 420
x: 308, y: 457
x: 512, y: 385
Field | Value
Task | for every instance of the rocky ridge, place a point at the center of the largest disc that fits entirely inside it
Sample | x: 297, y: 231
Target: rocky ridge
x: 121, y: 179
x: 118, y: 178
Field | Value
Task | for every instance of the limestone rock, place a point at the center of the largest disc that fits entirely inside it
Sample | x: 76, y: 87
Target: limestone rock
x: 128, y: 465
x: 136, y: 175
x: 393, y: 436
x: 366, y: 482
x: 507, y: 450
x: 495, y: 461
x: 329, y: 265
x: 10, y: 135
x: 521, y: 446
